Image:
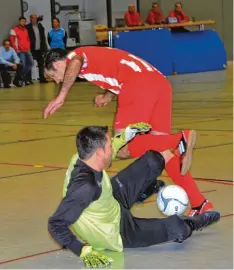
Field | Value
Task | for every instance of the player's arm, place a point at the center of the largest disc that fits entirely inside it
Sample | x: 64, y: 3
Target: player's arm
x: 73, y: 68
x: 78, y: 197
x: 108, y: 95
x: 104, y: 99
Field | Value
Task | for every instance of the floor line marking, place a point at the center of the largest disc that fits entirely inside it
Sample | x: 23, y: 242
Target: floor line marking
x: 60, y: 249
x: 24, y: 174
x: 212, y: 181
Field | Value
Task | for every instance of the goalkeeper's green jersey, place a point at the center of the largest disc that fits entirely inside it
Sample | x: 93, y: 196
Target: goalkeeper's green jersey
x: 99, y: 223
x: 88, y: 211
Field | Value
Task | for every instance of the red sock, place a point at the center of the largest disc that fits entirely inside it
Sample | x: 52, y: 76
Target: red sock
x: 186, y: 182
x: 143, y: 143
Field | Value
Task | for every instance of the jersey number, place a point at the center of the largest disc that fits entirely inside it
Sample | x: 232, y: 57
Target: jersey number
x: 135, y: 67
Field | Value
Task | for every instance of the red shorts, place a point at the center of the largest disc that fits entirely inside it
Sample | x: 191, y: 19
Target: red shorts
x: 146, y: 99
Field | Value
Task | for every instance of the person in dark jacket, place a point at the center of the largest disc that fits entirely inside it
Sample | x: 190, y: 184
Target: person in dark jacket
x: 37, y: 37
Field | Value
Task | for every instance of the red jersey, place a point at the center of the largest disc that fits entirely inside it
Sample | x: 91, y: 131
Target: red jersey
x: 20, y: 39
x: 155, y: 17
x: 133, y: 19
x: 111, y: 68
x: 181, y: 16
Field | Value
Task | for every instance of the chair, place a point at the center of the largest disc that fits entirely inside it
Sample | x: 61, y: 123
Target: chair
x: 102, y: 37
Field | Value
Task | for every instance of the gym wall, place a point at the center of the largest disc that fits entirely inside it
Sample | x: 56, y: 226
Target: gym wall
x: 10, y: 12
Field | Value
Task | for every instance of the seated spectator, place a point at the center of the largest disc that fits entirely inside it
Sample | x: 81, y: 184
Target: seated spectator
x: 21, y: 43
x: 155, y: 15
x: 57, y: 36
x: 180, y: 15
x: 9, y: 61
x: 132, y: 17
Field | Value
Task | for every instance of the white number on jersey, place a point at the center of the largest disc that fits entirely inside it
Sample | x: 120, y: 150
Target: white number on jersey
x: 135, y: 67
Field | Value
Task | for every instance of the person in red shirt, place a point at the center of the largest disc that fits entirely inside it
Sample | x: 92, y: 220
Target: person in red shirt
x: 21, y: 43
x: 155, y: 15
x: 181, y: 17
x: 132, y: 17
x: 144, y: 95
x: 179, y: 13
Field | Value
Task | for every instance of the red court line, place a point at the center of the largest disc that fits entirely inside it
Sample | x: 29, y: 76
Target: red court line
x: 212, y: 181
x: 31, y: 256
x: 56, y: 250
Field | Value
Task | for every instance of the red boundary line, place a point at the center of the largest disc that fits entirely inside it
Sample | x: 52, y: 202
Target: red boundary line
x: 56, y: 250
x: 31, y: 256
x: 214, y: 181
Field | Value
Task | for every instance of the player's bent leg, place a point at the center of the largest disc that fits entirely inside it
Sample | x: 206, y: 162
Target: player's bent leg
x: 142, y: 232
x: 130, y: 183
x: 185, y: 148
x: 160, y: 143
x: 183, y: 142
x: 198, y: 202
x: 186, y: 182
x: 123, y: 153
x: 149, y: 232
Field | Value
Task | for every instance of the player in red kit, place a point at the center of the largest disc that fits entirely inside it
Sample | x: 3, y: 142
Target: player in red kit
x: 144, y: 95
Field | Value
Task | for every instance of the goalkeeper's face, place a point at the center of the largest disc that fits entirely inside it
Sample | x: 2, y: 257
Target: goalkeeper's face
x: 107, y: 157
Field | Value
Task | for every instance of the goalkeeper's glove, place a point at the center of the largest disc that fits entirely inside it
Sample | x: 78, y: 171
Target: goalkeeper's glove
x: 94, y: 259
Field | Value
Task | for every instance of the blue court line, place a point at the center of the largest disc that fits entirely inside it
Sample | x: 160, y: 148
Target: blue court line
x: 38, y: 139
x: 74, y: 125
x: 197, y: 122
x: 42, y: 124
x: 188, y: 108
x: 202, y: 100
x: 31, y: 173
x: 212, y: 146
x: 212, y: 130
x: 40, y: 100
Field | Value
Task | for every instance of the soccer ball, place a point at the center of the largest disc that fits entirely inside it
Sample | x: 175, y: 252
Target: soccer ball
x: 172, y: 200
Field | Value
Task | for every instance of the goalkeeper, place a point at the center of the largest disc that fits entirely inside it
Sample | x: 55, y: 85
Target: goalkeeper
x: 94, y: 214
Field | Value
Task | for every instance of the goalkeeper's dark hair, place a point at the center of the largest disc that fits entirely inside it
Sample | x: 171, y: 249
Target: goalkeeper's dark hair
x: 52, y: 56
x: 89, y: 139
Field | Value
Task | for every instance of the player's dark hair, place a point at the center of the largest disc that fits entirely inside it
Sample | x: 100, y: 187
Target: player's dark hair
x: 89, y: 139
x: 52, y: 56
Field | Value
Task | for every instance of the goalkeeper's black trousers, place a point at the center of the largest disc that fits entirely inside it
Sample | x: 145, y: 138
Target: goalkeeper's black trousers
x: 128, y: 185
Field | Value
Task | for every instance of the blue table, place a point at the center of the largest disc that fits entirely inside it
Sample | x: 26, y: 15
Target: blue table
x: 181, y: 53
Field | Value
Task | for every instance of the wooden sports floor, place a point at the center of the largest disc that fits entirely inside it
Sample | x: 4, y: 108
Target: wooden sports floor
x: 34, y: 154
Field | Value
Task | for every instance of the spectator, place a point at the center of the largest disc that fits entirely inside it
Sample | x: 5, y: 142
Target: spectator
x: 9, y: 61
x: 181, y: 17
x: 132, y: 18
x: 155, y: 15
x: 57, y: 37
x: 37, y: 37
x: 21, y: 43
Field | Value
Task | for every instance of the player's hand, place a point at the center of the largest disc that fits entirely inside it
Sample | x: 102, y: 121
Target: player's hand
x: 101, y: 100
x: 54, y: 105
x: 93, y: 259
x: 132, y: 130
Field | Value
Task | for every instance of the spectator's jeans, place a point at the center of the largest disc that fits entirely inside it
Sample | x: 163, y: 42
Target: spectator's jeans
x: 6, y: 78
x: 27, y: 63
